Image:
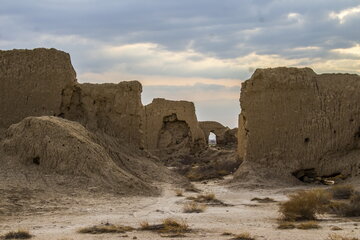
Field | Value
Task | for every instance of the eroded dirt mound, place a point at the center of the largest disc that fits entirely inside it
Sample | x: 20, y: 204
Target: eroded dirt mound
x: 57, y: 154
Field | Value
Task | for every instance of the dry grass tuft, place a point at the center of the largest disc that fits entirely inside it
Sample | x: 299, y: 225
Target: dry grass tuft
x: 193, y: 207
x: 105, y: 229
x: 304, y: 205
x: 205, y: 197
x: 308, y: 225
x: 342, y: 191
x: 339, y: 237
x: 20, y: 234
x: 286, y: 225
x: 175, y: 226
x: 169, y: 225
x: 179, y: 192
x: 243, y: 236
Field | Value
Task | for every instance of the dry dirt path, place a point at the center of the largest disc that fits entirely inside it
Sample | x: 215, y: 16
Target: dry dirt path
x: 259, y: 219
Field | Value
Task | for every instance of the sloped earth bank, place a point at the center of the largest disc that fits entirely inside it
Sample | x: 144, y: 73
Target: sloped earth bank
x: 61, y: 217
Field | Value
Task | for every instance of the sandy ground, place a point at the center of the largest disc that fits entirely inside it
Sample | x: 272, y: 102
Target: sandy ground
x: 70, y: 213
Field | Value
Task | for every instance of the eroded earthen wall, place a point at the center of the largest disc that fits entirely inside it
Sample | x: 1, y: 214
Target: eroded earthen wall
x: 172, y: 125
x: 294, y: 119
x: 115, y: 109
x: 42, y: 82
x: 32, y: 83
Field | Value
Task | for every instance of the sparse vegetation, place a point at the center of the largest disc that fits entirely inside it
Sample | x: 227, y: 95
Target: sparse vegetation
x: 339, y: 237
x: 308, y: 225
x: 243, y: 236
x: 303, y: 225
x: 20, y: 234
x: 107, y: 228
x: 179, y: 192
x: 305, y: 205
x: 208, y: 198
x: 193, y: 207
x: 169, y: 225
x: 342, y: 191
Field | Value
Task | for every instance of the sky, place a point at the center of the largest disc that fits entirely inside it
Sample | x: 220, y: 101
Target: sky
x: 195, y: 50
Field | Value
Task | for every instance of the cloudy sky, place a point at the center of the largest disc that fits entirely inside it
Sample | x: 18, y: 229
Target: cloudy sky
x: 196, y: 50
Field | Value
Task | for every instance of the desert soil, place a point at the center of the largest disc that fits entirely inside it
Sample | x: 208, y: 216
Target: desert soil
x: 60, y: 218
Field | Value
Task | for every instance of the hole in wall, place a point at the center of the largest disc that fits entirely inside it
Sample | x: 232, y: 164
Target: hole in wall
x: 212, y: 139
x: 36, y: 160
x: 306, y: 140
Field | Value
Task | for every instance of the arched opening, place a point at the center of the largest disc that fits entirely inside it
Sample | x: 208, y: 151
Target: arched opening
x: 212, y: 139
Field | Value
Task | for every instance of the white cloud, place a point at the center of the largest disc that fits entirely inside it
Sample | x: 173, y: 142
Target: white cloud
x: 297, y: 17
x: 353, y: 51
x: 307, y: 48
x: 344, y: 14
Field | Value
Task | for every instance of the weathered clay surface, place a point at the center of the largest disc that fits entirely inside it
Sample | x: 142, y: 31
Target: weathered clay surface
x: 171, y: 127
x: 115, y: 109
x: 39, y: 147
x: 32, y: 83
x: 294, y: 119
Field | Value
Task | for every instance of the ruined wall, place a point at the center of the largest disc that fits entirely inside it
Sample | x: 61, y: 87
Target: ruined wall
x: 115, y: 109
x: 172, y: 125
x: 217, y: 128
x: 32, y: 82
x: 43, y: 82
x: 294, y: 119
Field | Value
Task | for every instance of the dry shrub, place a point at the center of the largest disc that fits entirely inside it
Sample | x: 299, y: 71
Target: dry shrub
x: 351, y: 209
x: 339, y: 237
x: 308, y: 225
x: 193, y: 207
x: 304, y: 205
x: 105, y: 229
x: 175, y: 226
x: 336, y: 207
x: 243, y: 236
x: 179, y: 192
x: 342, y: 191
x: 205, y: 197
x: 20, y: 234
